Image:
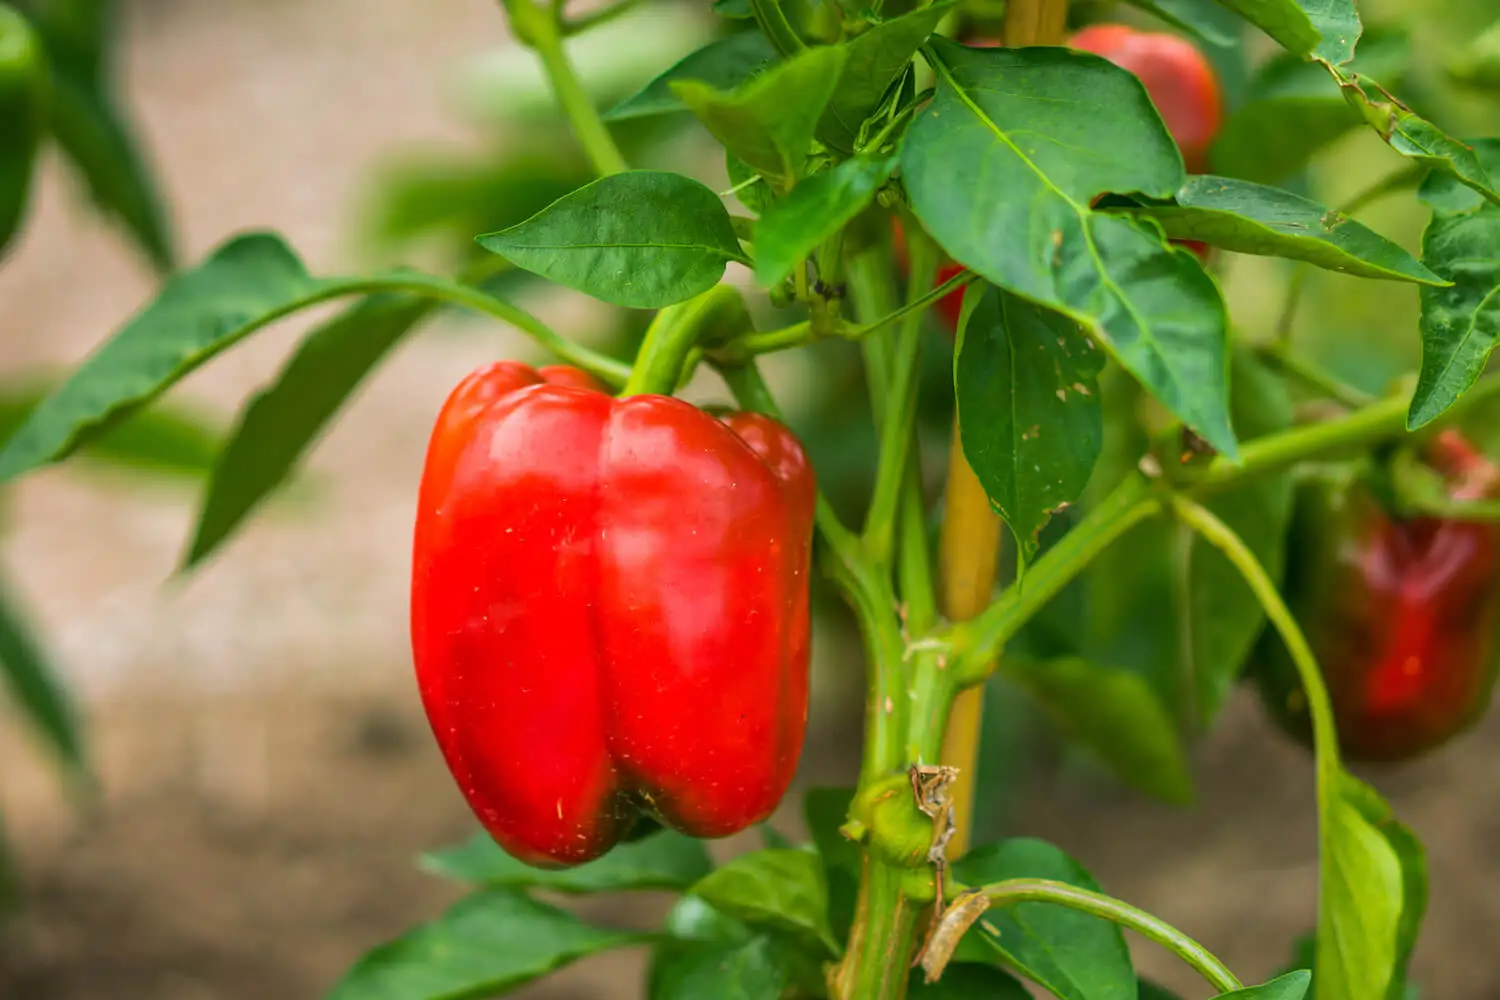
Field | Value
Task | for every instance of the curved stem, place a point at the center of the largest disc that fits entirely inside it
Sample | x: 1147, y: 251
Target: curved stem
x: 542, y: 30
x: 773, y: 22
x: 1096, y: 904
x: 917, y: 305
x: 1315, y: 377
x: 716, y: 314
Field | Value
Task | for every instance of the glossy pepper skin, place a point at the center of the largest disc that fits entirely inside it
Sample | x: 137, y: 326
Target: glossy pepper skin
x: 610, y: 610
x: 1401, y: 616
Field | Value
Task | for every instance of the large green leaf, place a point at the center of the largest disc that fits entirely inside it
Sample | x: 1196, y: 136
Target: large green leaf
x: 159, y: 441
x: 825, y: 810
x: 644, y: 238
x: 1292, y: 986
x: 22, y: 108
x: 487, y: 944
x: 664, y: 860
x: 1028, y: 408
x: 1292, y: 109
x: 872, y: 62
x: 1252, y: 218
x: 1287, y: 21
x: 1416, y: 138
x: 1192, y: 17
x: 733, y: 970
x: 35, y: 687
x: 242, y: 285
x: 777, y: 888
x: 1002, y: 167
x: 968, y: 981
x: 281, y: 422
x: 1460, y: 323
x: 1113, y: 713
x: 816, y: 209
x: 1362, y: 905
x: 1072, y: 954
x: 769, y: 121
x: 94, y: 133
x: 723, y: 64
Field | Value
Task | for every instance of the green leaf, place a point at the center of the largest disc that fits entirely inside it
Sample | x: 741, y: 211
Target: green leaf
x: 816, y: 209
x: 723, y: 64
x: 1028, y: 408
x: 281, y: 422
x: 968, y: 981
x: 1001, y: 169
x: 35, y: 688
x: 96, y: 136
x: 1447, y: 194
x: 825, y: 810
x: 1293, y: 108
x: 665, y: 860
x: 755, y: 195
x: 244, y: 284
x: 1191, y: 17
x: 1361, y: 894
x: 735, y: 970
x: 158, y: 441
x: 1076, y: 956
x: 1338, y: 22
x: 487, y: 944
x: 22, y: 112
x: 1461, y: 323
x: 768, y: 121
x: 645, y: 239
x: 735, y: 10
x: 1154, y: 991
x: 1113, y: 713
x: 1290, y: 23
x: 1292, y: 986
x: 872, y: 62
x: 1251, y: 218
x: 1477, y: 64
x: 1416, y: 138
x: 777, y: 888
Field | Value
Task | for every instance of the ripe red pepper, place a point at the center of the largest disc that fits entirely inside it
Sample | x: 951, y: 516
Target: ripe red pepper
x: 610, y: 610
x: 1178, y: 77
x: 1400, y: 613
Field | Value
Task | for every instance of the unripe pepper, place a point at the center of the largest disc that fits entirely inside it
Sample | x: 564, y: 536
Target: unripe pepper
x: 1401, y: 615
x: 610, y: 610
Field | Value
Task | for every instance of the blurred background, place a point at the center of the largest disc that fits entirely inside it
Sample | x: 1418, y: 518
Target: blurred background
x: 266, y: 774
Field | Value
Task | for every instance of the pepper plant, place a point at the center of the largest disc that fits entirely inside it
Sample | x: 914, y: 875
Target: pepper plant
x: 610, y: 597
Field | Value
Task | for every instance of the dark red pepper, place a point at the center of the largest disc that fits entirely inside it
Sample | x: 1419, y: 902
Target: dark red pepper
x: 610, y: 610
x: 1401, y: 615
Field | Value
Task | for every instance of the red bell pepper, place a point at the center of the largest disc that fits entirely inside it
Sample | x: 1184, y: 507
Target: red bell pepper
x: 610, y: 610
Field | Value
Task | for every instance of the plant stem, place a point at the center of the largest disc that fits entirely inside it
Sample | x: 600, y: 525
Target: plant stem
x: 913, y: 561
x: 542, y: 30
x: 916, y: 305
x: 1014, y: 891
x: 1035, y: 22
x: 718, y: 313
x: 773, y: 23
x: 877, y: 961
x: 601, y: 16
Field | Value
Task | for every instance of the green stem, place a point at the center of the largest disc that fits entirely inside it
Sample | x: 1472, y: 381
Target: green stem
x: 877, y: 963
x: 977, y: 642
x: 916, y: 306
x: 900, y: 392
x: 601, y: 16
x: 1222, y: 537
x: 716, y: 314
x: 1022, y: 890
x: 1290, y: 304
x: 773, y: 22
x: 542, y: 30
x: 749, y: 346
x: 913, y: 557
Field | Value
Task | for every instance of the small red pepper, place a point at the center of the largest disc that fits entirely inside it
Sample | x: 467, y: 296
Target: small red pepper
x: 610, y: 610
x: 1401, y: 614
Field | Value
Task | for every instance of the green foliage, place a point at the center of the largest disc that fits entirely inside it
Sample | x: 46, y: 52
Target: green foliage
x: 1033, y: 158
x: 817, y: 209
x: 664, y: 860
x: 1072, y: 954
x: 872, y: 62
x: 1028, y: 408
x: 486, y: 944
x: 781, y: 889
x: 36, y: 690
x: 23, y: 81
x: 1254, y: 219
x: 723, y: 64
x: 644, y: 239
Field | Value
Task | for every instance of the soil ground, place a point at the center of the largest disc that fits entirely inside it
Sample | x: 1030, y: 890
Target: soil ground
x: 267, y: 777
